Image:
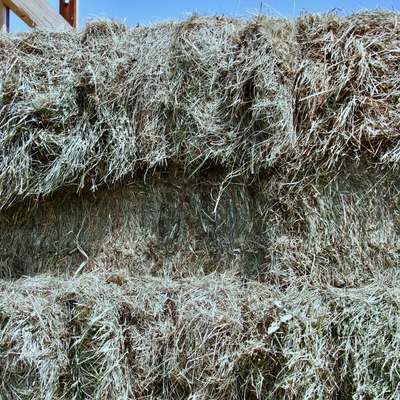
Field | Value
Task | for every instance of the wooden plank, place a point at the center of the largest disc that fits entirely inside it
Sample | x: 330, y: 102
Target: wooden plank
x: 4, y: 18
x: 69, y: 10
x: 37, y: 13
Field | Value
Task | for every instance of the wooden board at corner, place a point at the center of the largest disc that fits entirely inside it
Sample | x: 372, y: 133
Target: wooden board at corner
x: 37, y: 13
x: 69, y: 10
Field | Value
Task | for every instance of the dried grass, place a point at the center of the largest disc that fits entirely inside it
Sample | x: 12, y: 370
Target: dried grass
x: 98, y: 105
x: 206, y: 209
x: 84, y: 108
x: 347, y: 87
x: 114, y: 336
x: 334, y: 230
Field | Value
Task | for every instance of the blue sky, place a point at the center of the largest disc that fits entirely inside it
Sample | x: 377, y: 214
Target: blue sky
x: 150, y: 11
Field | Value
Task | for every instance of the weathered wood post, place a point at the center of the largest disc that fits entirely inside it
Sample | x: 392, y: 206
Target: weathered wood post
x: 4, y: 18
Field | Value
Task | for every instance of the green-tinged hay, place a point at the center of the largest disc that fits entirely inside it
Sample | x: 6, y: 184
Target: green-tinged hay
x: 341, y: 229
x: 112, y: 336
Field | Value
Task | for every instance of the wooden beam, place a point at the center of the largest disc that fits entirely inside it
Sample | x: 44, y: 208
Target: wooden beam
x: 37, y: 13
x: 69, y: 10
x: 4, y: 18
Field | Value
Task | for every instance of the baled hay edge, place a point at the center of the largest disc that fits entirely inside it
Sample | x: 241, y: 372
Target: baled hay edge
x: 113, y: 336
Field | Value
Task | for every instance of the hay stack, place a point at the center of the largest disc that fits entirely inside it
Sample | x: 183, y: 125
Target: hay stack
x: 201, y: 209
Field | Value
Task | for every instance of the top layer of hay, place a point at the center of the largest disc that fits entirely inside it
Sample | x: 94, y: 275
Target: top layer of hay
x: 94, y: 106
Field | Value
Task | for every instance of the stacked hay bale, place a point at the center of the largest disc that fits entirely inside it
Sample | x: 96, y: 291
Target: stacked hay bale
x: 201, y: 209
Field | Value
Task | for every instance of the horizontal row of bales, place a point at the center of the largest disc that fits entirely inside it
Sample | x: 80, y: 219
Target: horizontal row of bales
x: 202, y: 209
x: 260, y: 96
x: 112, y: 336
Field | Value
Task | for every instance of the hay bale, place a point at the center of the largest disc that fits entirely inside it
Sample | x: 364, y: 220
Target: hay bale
x: 94, y: 106
x: 116, y: 336
x: 332, y: 230
x: 346, y: 91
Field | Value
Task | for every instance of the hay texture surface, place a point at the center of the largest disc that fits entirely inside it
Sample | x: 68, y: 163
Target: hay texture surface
x: 111, y: 336
x: 96, y: 106
x: 202, y: 209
